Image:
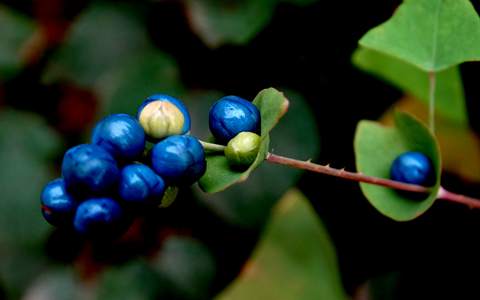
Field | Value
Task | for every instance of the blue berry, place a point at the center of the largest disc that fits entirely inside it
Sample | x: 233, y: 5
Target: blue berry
x: 231, y: 115
x: 413, y: 167
x: 58, y: 206
x: 89, y: 170
x: 140, y: 184
x: 179, y: 159
x: 101, y: 217
x: 162, y: 115
x: 121, y: 135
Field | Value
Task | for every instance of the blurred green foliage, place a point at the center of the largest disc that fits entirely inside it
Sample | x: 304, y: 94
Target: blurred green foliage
x: 15, y: 31
x: 294, y: 260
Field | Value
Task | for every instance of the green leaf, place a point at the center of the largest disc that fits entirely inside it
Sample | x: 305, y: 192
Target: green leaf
x: 449, y: 101
x: 103, y: 37
x: 219, y: 175
x: 124, y: 87
x: 433, y: 35
x: 228, y: 22
x: 15, y: 31
x: 56, y: 284
x: 132, y: 281
x: 187, y: 266
x: 25, y: 144
x: 375, y: 149
x: 295, y: 258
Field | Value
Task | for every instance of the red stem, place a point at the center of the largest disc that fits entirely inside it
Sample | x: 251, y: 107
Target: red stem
x: 309, y: 166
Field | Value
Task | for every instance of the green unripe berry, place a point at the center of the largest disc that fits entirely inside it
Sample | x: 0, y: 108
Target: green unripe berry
x: 242, y: 150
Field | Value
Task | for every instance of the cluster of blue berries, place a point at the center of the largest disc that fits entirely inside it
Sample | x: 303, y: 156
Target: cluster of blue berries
x: 102, y: 181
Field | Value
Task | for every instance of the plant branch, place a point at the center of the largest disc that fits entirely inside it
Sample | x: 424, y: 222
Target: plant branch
x: 431, y: 100
x: 327, y: 170
x: 443, y: 194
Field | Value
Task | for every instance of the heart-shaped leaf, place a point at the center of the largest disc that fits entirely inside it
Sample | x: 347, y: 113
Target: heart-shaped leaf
x: 449, y: 101
x: 219, y: 175
x: 376, y: 147
x: 295, y: 258
x: 433, y: 35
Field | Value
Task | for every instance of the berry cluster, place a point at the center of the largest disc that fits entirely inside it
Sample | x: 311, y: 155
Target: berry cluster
x: 104, y: 181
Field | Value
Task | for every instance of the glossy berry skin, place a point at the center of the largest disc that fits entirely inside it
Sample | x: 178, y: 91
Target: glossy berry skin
x: 99, y: 217
x: 413, y: 167
x: 162, y: 115
x: 231, y: 115
x: 89, y: 170
x: 179, y: 159
x: 58, y: 206
x: 242, y: 150
x: 121, y: 135
x: 140, y: 184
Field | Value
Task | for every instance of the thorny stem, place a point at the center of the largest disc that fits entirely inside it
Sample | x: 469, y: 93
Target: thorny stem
x: 431, y: 100
x: 309, y: 166
x: 443, y: 194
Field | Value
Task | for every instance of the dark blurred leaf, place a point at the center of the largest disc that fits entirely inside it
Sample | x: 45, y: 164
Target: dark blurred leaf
x: 124, y: 88
x: 103, y: 37
x: 432, y: 35
x: 376, y: 147
x: 188, y: 266
x: 228, y: 22
x: 18, y: 268
x: 272, y: 105
x: 248, y: 204
x: 294, y: 260
x: 25, y: 143
x: 15, y: 31
x: 56, y: 284
x: 449, y: 100
x: 135, y: 280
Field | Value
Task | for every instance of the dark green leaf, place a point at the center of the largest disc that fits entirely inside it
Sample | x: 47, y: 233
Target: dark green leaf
x: 219, y: 175
x: 188, y: 266
x: 295, y: 258
x: 135, y: 280
x: 56, y: 284
x: 249, y: 204
x: 124, y: 87
x: 375, y: 149
x: 229, y: 22
x: 15, y: 30
x: 449, y: 100
x: 433, y: 35
x: 25, y: 143
x: 103, y: 37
